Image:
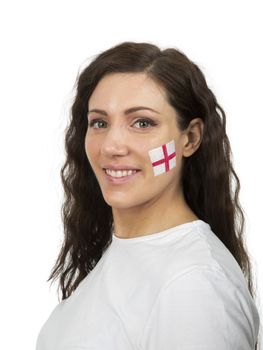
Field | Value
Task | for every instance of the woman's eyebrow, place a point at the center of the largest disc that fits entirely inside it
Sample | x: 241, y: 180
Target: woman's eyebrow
x: 127, y: 111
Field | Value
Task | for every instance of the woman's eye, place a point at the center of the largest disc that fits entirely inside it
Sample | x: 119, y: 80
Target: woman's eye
x: 141, y: 121
x: 94, y: 121
x: 147, y: 121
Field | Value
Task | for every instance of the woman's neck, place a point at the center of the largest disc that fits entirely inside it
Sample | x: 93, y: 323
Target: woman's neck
x: 154, y: 216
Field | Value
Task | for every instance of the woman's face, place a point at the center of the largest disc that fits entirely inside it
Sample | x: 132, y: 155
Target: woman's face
x: 124, y: 139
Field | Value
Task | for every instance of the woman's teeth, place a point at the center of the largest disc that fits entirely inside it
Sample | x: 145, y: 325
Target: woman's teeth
x: 120, y: 173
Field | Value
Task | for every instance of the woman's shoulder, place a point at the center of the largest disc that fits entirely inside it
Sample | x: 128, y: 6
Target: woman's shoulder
x: 204, y: 294
x: 202, y: 250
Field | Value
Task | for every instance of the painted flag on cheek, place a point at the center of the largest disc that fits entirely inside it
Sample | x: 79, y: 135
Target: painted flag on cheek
x: 163, y: 158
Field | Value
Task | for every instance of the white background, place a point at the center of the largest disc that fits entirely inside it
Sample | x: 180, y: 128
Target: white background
x: 43, y: 46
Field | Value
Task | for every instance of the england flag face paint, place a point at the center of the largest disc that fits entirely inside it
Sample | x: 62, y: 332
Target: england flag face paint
x: 163, y: 158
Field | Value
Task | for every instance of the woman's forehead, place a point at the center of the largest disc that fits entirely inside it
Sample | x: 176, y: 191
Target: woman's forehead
x: 121, y: 91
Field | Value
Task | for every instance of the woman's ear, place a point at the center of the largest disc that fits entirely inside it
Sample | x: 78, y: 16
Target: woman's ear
x: 193, y: 137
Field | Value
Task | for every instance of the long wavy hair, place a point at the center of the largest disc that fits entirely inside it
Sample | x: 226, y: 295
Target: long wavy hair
x: 210, y: 184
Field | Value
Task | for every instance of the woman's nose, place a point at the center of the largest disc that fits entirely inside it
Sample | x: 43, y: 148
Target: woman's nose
x: 115, y: 142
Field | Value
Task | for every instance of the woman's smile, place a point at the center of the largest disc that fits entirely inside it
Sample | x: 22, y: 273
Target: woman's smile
x: 118, y: 178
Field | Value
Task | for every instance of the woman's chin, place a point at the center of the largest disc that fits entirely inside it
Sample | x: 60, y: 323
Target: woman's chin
x: 119, y: 201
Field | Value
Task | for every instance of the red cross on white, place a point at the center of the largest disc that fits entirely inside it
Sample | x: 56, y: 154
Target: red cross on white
x: 163, y: 158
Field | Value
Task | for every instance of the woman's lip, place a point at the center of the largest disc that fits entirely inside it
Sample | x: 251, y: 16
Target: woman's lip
x: 120, y: 169
x: 120, y: 180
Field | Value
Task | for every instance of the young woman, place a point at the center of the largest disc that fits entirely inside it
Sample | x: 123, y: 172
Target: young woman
x: 153, y: 256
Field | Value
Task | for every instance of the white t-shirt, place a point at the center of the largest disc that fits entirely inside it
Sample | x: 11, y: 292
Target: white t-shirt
x: 178, y: 289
